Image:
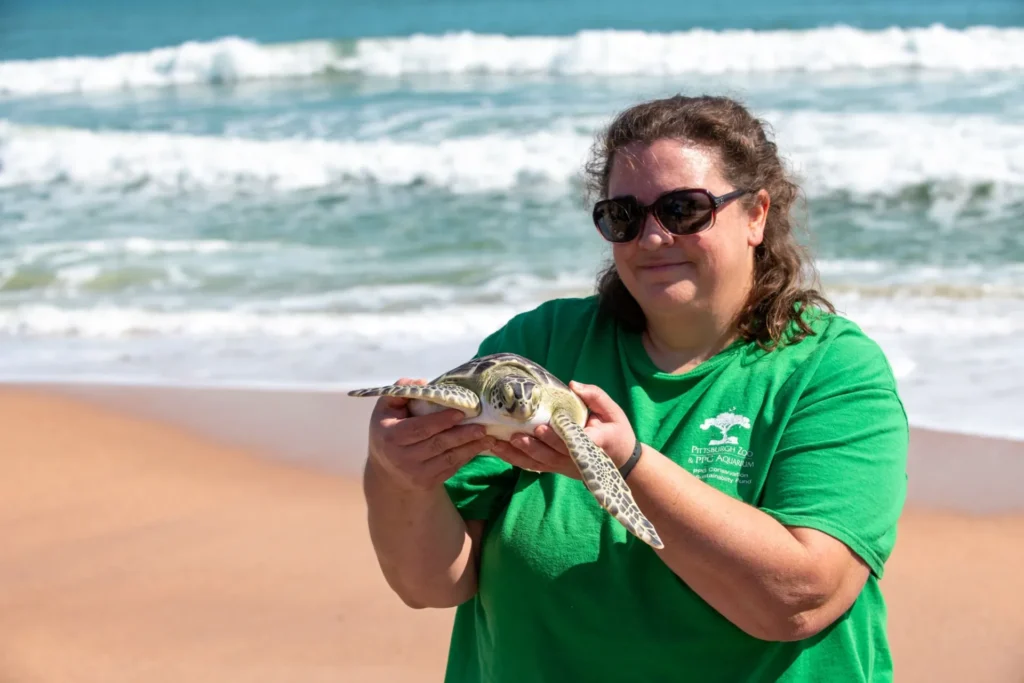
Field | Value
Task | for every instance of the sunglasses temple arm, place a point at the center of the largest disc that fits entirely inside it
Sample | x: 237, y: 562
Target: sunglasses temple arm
x: 728, y: 196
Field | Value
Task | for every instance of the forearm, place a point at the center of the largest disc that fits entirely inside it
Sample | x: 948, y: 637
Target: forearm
x: 742, y: 561
x: 422, y: 543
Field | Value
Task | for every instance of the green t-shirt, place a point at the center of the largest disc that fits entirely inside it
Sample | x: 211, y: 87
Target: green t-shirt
x: 812, y: 433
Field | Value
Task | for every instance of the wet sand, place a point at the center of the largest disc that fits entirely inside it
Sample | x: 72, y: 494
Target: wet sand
x: 181, y: 534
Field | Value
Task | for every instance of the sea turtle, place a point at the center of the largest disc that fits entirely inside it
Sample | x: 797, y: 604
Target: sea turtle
x: 508, y: 394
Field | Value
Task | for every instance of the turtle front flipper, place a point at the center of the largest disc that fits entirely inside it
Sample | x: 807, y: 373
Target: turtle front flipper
x: 603, y: 480
x: 447, y: 395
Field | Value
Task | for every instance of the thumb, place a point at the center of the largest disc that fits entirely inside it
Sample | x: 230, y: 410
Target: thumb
x: 595, y: 397
x: 397, y: 404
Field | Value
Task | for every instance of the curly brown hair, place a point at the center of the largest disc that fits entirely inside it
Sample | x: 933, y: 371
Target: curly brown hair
x: 749, y: 159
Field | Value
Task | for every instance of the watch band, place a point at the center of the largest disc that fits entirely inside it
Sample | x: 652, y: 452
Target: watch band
x: 628, y: 466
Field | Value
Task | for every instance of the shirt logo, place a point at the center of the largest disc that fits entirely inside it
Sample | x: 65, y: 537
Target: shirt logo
x: 723, y: 463
x: 723, y: 422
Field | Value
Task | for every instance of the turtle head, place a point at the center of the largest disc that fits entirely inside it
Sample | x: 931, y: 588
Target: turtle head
x: 516, y: 396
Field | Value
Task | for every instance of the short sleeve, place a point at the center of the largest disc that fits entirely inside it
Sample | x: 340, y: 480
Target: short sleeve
x: 481, y: 488
x: 840, y: 465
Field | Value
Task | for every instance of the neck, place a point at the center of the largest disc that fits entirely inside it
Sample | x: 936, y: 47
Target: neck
x: 678, y: 343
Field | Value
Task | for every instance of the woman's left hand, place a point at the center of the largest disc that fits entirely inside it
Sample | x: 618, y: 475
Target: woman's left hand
x: 543, y: 451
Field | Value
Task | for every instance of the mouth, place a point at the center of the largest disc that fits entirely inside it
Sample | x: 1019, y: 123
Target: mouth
x: 662, y: 267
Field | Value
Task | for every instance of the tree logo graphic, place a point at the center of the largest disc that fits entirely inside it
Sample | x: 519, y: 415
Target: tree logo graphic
x: 723, y: 422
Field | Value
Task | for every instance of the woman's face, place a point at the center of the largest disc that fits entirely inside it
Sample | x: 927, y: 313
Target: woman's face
x: 668, y: 273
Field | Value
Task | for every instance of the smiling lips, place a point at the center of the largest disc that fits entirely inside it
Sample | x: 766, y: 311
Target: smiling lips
x: 662, y: 266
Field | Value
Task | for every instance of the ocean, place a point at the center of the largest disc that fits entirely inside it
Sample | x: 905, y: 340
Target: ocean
x: 327, y: 194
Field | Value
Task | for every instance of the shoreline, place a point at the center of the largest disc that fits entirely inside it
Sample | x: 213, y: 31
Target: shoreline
x: 110, y: 382
x: 947, y: 470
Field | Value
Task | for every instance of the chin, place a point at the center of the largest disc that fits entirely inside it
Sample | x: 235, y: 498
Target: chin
x: 665, y: 296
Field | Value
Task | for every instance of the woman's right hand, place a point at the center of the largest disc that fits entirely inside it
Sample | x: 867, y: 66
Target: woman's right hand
x: 418, y: 453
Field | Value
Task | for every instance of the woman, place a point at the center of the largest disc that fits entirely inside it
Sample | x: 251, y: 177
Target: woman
x: 772, y: 447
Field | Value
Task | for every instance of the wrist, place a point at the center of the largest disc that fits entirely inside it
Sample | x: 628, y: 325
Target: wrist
x: 375, y: 469
x: 378, y: 473
x: 627, y: 465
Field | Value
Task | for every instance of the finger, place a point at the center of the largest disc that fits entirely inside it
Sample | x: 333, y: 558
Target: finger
x: 596, y: 399
x: 398, y: 403
x: 414, y: 430
x: 548, y: 435
x: 537, y: 450
x: 441, y: 467
x: 453, y: 437
x: 517, y: 458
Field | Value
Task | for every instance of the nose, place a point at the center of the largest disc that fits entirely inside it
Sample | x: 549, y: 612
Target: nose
x: 652, y: 235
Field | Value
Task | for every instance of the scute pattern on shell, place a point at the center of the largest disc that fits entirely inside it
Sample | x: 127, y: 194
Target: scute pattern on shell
x: 476, y: 368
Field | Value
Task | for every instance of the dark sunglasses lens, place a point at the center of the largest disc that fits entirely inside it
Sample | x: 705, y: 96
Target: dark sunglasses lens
x: 684, y: 213
x: 616, y: 219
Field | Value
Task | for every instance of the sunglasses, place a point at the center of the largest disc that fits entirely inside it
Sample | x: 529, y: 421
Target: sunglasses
x: 680, y: 212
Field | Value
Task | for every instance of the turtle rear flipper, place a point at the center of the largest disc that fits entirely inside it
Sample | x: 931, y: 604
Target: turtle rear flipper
x: 603, y: 480
x: 447, y: 395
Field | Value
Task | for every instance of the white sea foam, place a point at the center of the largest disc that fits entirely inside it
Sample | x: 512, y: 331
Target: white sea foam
x: 131, y: 246
x: 957, y: 363
x: 934, y: 318
x: 502, y: 290
x: 448, y: 320
x: 696, y: 51
x: 858, y: 153
x: 225, y: 60
x: 610, y: 52
x: 959, y: 282
x: 362, y: 329
x: 867, y: 153
x: 162, y: 161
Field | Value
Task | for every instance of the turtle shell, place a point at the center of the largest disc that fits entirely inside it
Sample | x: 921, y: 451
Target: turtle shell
x: 472, y: 372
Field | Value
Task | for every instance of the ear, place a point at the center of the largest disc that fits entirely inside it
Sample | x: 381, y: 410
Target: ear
x: 757, y: 216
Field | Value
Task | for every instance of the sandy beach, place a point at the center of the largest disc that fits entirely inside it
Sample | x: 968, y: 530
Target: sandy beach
x: 158, y: 534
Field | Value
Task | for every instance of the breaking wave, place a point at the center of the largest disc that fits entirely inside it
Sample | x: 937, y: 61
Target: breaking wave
x: 892, y: 313
x: 606, y: 52
x: 861, y: 154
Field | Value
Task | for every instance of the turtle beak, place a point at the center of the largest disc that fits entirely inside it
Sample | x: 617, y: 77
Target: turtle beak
x: 522, y: 410
x: 520, y: 399
x: 526, y: 404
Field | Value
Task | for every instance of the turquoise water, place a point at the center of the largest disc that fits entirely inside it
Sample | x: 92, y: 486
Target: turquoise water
x: 47, y: 28
x: 322, y: 193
